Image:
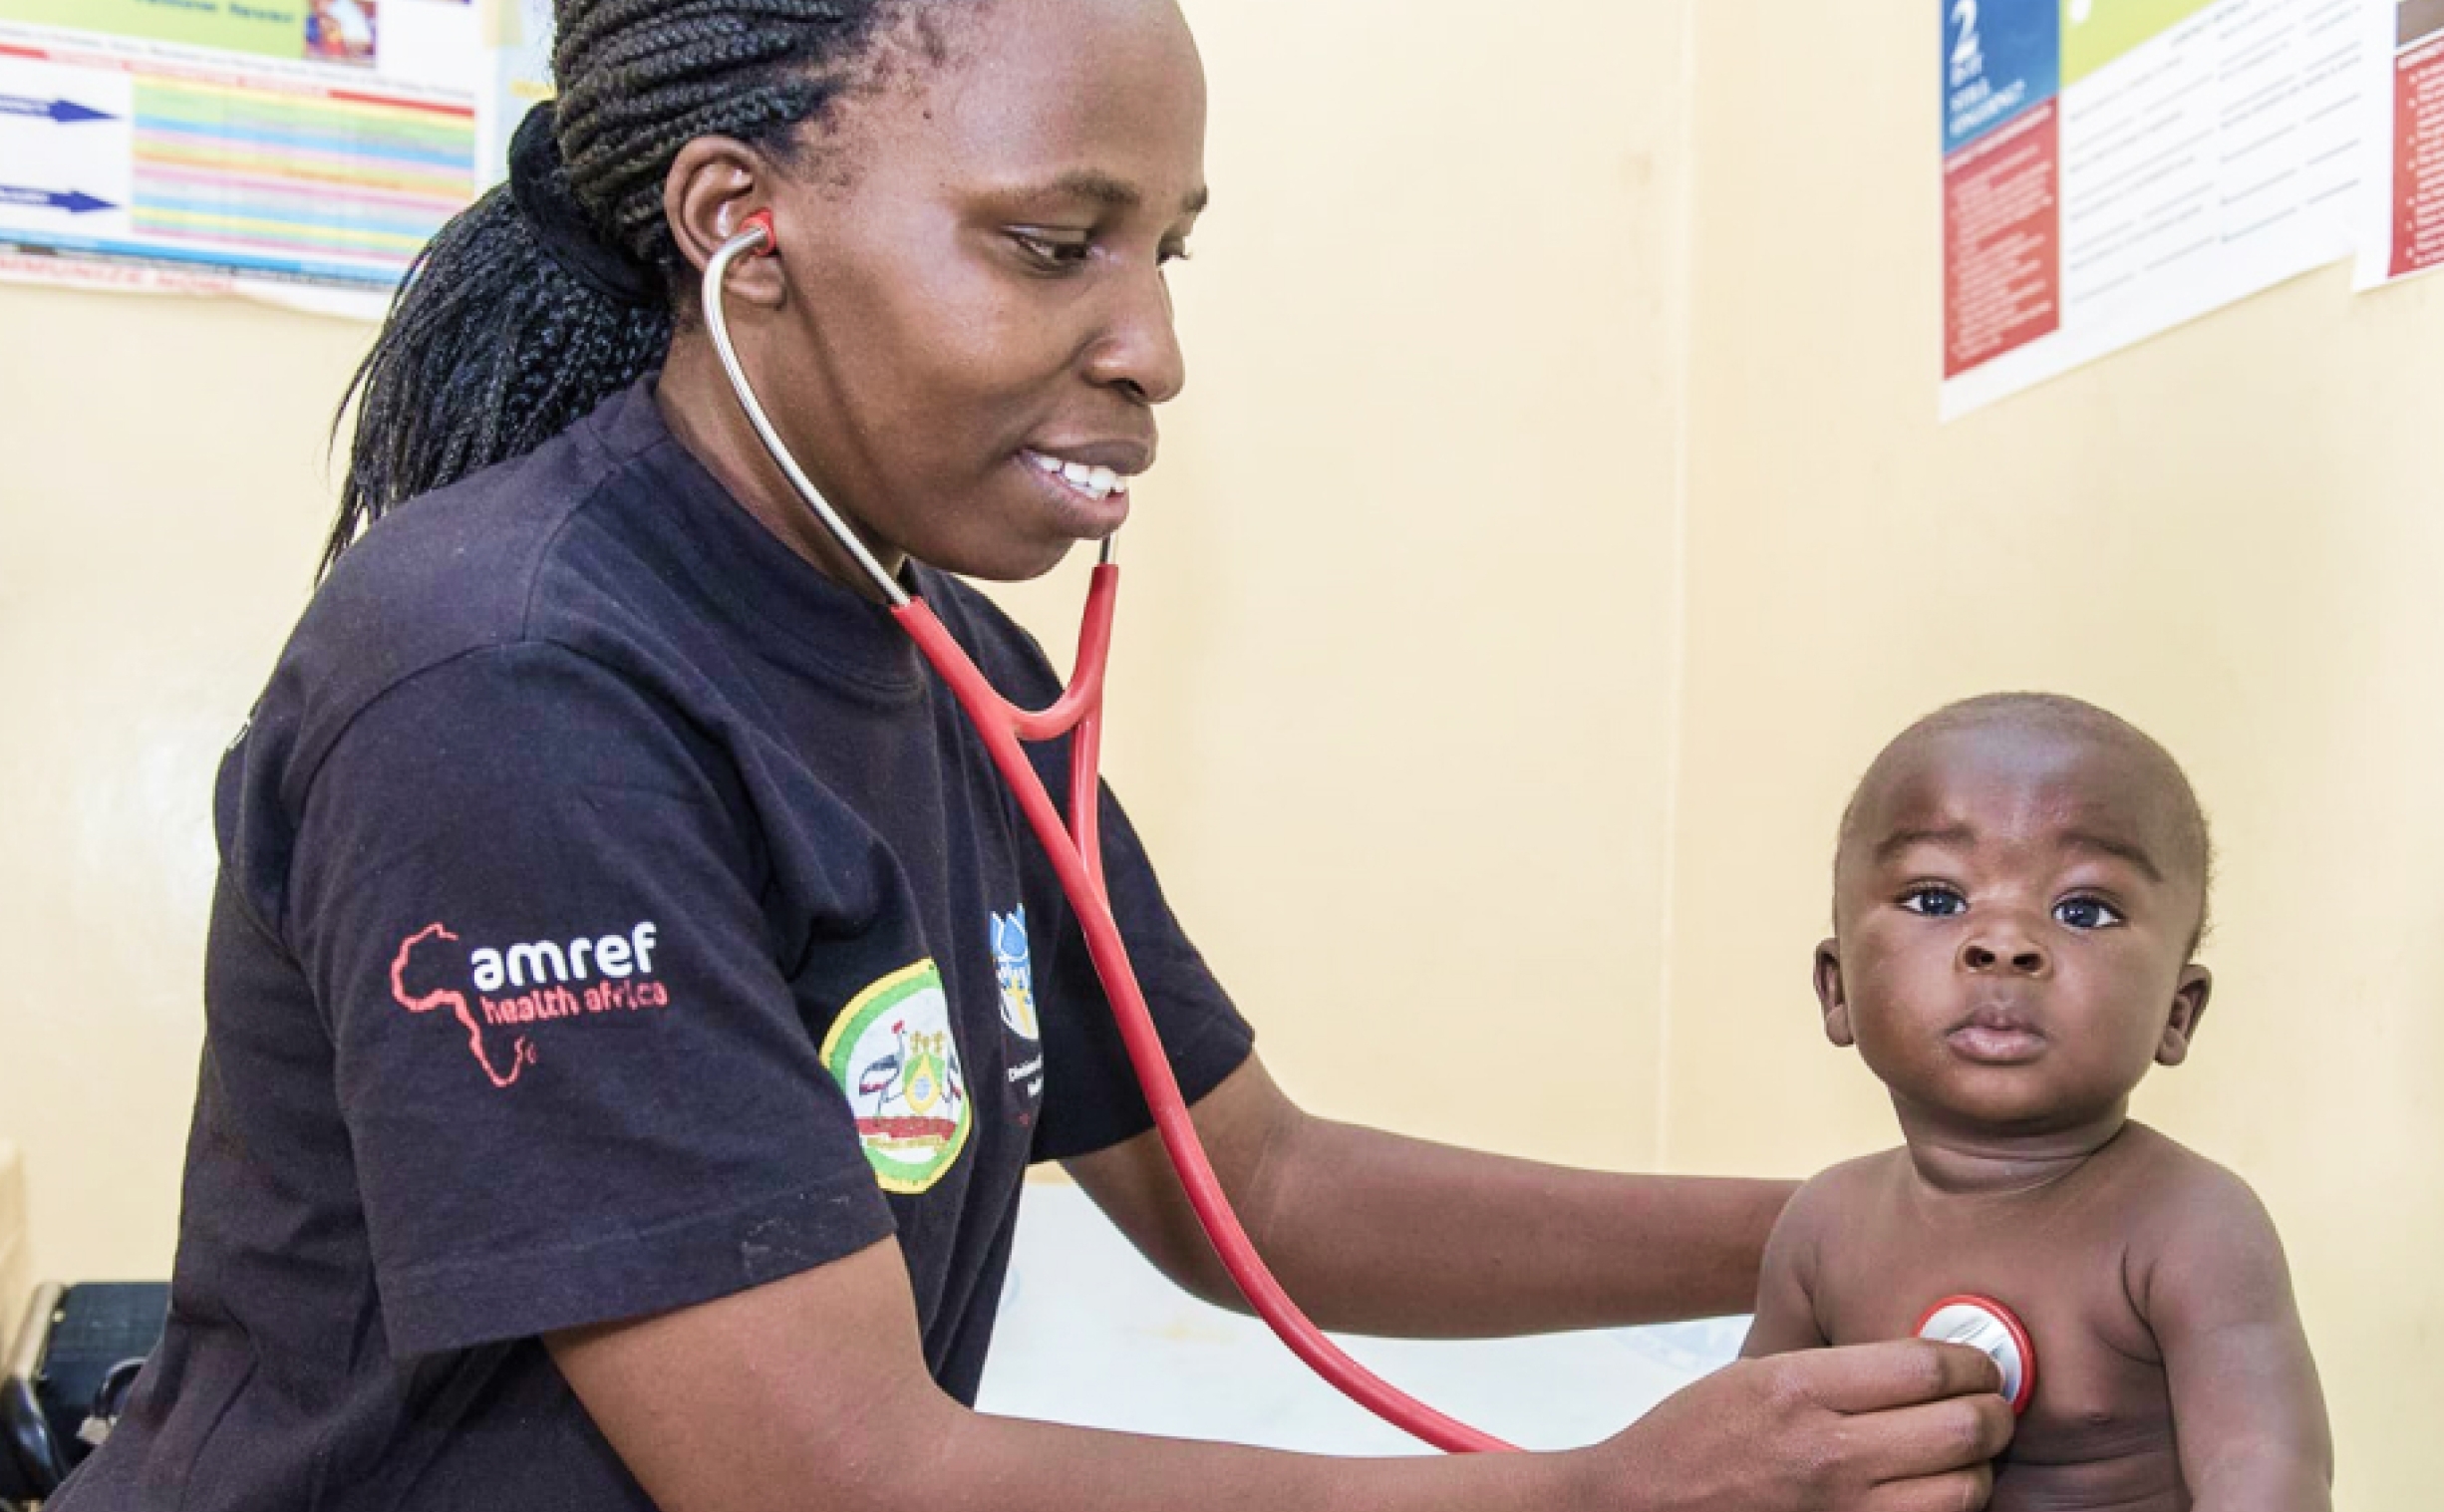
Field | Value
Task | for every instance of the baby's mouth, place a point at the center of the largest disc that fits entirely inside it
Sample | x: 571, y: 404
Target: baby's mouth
x: 1996, y: 1035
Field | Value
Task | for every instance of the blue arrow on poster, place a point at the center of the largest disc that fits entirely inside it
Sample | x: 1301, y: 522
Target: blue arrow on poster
x: 64, y: 112
x: 74, y: 203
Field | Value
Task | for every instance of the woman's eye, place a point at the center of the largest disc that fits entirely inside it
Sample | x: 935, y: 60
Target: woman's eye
x: 1052, y: 252
x: 1176, y: 251
x: 1934, y: 902
x: 2086, y: 913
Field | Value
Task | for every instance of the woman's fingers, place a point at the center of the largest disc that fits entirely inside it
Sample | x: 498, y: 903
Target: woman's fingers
x: 1955, y: 1491
x: 1900, y: 1372
x: 1905, y: 1445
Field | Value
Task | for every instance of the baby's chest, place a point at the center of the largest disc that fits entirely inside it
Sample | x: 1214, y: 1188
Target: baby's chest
x: 2100, y: 1391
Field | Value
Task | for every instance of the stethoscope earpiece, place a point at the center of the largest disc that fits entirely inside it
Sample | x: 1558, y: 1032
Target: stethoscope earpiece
x: 1992, y: 1329
x: 761, y: 220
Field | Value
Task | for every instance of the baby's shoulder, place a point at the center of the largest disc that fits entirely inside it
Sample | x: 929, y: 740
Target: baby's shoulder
x: 1846, y: 1191
x: 2186, y: 1210
x: 2159, y: 1173
x: 1861, y: 1172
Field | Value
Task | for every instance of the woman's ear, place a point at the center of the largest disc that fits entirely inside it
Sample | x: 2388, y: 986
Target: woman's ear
x: 714, y: 185
x: 2189, y: 1006
x: 1829, y: 995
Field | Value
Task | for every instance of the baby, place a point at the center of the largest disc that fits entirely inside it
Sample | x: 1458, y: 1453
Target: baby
x: 2019, y: 884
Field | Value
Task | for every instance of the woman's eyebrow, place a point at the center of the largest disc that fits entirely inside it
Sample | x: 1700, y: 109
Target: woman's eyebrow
x: 1117, y: 193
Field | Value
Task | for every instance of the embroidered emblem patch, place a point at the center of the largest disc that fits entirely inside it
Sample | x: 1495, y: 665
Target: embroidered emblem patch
x: 893, y: 1054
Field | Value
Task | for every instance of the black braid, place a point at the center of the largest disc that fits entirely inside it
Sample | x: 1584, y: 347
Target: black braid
x: 491, y: 349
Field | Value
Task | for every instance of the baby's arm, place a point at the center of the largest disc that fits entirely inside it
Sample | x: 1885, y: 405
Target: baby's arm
x: 2246, y: 1401
x: 1785, y: 1288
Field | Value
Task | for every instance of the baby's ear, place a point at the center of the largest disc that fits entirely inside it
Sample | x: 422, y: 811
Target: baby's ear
x: 2188, y: 1007
x: 1829, y: 995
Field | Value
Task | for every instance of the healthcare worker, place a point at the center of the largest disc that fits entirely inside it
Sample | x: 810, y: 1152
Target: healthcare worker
x: 633, y: 999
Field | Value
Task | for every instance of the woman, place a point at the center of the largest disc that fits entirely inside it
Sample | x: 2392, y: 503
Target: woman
x: 633, y: 1001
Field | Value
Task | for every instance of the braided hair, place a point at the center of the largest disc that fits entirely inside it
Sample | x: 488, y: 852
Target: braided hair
x: 494, y: 345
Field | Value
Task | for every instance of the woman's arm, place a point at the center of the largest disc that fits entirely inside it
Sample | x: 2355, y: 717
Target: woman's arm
x: 812, y: 1392
x: 1377, y: 1234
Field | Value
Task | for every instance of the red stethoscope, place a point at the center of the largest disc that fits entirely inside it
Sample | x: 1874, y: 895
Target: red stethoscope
x: 1076, y: 856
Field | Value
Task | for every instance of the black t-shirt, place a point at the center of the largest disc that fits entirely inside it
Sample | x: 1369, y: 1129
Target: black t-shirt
x: 614, y: 913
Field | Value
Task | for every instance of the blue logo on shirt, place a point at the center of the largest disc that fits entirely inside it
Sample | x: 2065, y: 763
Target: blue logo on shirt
x: 1015, y: 973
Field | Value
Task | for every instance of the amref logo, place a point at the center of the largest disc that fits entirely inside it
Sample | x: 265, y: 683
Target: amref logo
x: 624, y: 964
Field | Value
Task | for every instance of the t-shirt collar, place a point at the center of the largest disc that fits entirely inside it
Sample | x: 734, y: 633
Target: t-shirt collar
x: 800, y: 616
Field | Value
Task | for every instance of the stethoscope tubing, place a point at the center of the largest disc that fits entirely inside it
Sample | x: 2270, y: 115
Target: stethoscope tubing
x: 1075, y: 854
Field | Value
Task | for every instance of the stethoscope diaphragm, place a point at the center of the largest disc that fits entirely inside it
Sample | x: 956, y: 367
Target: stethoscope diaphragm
x: 1994, y: 1331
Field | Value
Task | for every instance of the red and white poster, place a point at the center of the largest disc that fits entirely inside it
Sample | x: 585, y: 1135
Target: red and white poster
x: 2115, y: 167
x: 2002, y: 240
x: 2405, y: 234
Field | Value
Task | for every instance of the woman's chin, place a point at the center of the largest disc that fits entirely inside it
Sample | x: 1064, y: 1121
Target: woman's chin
x: 1007, y: 561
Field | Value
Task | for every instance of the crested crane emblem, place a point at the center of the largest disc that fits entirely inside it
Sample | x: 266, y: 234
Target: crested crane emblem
x: 895, y: 1059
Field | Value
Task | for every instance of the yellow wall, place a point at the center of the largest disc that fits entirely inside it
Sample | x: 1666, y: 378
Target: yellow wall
x: 1555, y: 525
x: 160, y: 489
x: 16, y: 1250
x: 2229, y: 535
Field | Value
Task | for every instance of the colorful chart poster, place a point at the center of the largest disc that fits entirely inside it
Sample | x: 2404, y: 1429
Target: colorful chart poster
x: 296, y: 150
x: 2407, y: 88
x: 2115, y: 167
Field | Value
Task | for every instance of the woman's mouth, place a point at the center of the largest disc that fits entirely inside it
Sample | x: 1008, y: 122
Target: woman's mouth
x: 1096, y: 482
x: 1093, y: 498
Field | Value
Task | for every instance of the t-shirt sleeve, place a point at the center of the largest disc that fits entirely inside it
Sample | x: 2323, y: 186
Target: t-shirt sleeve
x: 1092, y: 1097
x: 575, y: 1080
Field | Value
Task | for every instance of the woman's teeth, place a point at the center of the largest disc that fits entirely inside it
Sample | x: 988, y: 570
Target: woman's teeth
x: 1095, y: 482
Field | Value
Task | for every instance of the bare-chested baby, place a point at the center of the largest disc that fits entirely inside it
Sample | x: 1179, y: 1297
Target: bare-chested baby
x: 2019, y: 889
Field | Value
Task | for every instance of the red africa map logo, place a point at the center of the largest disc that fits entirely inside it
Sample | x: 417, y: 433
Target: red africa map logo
x: 522, y: 1052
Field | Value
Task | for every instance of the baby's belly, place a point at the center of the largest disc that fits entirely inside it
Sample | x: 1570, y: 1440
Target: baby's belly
x: 2135, y: 1480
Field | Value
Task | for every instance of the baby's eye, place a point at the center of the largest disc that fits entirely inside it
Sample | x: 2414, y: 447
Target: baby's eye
x: 1934, y: 902
x: 2086, y: 913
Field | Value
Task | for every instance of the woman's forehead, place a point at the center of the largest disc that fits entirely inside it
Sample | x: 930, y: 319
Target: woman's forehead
x: 1008, y: 89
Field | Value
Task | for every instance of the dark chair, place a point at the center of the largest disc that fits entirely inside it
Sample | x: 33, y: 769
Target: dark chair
x: 70, y: 1365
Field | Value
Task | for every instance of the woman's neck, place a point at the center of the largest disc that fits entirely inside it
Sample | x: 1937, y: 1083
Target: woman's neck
x: 701, y: 410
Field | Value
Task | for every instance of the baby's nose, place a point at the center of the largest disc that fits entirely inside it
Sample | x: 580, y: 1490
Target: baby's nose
x: 2006, y: 952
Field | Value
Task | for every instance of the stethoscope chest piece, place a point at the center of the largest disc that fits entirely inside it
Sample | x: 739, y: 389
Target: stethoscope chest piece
x: 1992, y: 1329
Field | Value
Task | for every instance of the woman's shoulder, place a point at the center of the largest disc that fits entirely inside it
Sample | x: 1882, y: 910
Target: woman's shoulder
x: 463, y: 558
x: 481, y: 567
x: 478, y: 563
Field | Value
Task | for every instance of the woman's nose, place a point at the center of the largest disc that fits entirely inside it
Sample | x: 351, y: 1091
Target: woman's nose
x: 1138, y: 351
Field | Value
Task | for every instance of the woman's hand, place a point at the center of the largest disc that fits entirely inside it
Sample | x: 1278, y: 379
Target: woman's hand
x: 1905, y: 1426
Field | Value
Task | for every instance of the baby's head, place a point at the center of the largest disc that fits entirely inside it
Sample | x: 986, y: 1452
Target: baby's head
x: 2020, y: 881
